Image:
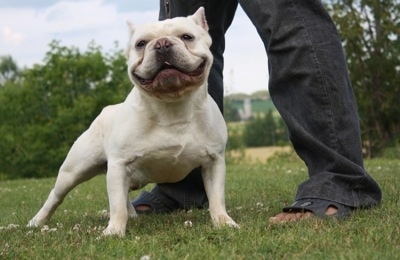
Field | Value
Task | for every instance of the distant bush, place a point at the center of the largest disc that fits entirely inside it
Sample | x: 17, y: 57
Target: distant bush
x: 48, y: 106
x: 265, y: 130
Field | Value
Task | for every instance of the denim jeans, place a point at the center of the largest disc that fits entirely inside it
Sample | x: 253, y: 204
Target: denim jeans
x: 310, y: 87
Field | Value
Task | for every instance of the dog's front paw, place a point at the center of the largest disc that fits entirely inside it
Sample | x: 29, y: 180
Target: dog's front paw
x: 33, y: 223
x: 114, y: 231
x: 232, y: 224
x: 224, y: 220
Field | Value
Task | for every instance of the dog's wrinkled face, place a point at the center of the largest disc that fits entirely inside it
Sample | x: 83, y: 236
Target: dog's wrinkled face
x: 170, y: 58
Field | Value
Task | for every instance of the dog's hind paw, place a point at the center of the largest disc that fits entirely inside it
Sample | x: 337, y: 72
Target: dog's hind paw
x: 132, y: 212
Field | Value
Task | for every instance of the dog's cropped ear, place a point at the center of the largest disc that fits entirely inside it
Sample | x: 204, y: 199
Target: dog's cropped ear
x: 131, y: 28
x: 199, y: 17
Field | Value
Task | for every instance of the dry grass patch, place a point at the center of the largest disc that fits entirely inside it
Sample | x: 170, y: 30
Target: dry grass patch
x: 260, y: 154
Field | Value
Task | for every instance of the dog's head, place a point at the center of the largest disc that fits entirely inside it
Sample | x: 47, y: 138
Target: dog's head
x: 168, y: 59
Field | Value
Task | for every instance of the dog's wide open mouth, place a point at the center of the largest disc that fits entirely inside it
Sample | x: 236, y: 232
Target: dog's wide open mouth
x: 168, y: 70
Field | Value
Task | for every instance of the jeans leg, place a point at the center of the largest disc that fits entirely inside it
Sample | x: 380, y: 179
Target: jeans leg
x: 219, y: 14
x: 310, y: 87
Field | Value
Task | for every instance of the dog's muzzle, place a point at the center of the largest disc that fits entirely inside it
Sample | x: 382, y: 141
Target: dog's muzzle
x: 167, y: 69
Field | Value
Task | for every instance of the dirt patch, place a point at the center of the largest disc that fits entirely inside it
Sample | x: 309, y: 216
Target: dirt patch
x: 261, y: 154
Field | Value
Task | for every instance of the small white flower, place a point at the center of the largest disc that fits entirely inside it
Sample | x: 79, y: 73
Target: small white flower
x: 65, y: 211
x: 104, y: 213
x: 145, y: 257
x: 188, y: 223
x: 259, y: 205
x: 137, y: 238
x: 77, y: 227
x: 44, y: 229
x: 12, y: 226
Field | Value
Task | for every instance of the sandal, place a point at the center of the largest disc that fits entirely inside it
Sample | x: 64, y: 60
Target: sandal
x: 147, y: 199
x: 318, y: 207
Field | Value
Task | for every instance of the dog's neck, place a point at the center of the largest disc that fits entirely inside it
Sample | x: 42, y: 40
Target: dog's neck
x: 166, y: 112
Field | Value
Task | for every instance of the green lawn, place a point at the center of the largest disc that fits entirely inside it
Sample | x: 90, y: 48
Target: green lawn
x: 254, y: 193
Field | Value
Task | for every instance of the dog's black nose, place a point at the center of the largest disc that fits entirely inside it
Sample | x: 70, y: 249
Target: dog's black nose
x: 163, y: 45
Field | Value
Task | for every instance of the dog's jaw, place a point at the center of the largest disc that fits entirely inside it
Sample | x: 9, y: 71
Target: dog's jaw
x: 168, y: 70
x: 171, y: 81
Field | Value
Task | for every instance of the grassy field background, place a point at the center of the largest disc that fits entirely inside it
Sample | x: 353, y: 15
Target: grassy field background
x: 254, y: 192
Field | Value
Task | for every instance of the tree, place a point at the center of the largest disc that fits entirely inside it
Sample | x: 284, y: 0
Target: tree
x: 370, y: 31
x: 8, y: 70
x: 231, y: 113
x: 52, y: 104
x: 265, y: 130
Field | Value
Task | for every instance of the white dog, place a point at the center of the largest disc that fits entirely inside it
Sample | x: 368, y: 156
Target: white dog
x: 167, y: 126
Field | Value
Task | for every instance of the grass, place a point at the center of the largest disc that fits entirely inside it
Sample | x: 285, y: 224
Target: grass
x: 254, y: 193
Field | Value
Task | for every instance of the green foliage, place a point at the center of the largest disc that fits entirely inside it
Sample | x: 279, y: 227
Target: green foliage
x: 231, y: 112
x: 392, y: 151
x: 265, y: 130
x: 8, y: 70
x: 265, y: 127
x: 52, y: 104
x: 235, y: 148
x: 370, y: 30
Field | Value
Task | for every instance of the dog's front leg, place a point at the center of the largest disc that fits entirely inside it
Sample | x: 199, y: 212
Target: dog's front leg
x: 84, y: 160
x: 214, y: 184
x: 117, y: 189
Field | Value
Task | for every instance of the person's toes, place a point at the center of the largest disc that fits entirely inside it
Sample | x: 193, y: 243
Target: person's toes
x: 331, y: 210
x: 142, y: 208
x: 285, y: 217
x: 278, y: 218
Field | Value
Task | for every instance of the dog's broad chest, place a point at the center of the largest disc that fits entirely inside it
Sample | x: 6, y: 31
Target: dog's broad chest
x: 168, y: 154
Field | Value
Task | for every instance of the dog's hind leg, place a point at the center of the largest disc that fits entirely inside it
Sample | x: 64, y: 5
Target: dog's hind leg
x: 85, y: 160
x: 131, y: 210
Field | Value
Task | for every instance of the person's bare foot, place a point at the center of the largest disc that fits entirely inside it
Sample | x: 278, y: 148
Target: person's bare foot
x: 285, y: 217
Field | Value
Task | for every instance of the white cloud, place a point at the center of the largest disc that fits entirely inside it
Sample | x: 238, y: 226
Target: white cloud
x: 11, y: 37
x: 75, y: 16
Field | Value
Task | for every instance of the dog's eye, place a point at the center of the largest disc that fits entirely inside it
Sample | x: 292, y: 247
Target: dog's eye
x: 187, y: 37
x: 140, y: 44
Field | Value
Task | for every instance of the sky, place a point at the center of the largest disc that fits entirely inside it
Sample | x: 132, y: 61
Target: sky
x: 28, y: 26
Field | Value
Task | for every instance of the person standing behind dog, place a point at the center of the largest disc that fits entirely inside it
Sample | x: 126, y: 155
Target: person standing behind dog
x: 310, y: 87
